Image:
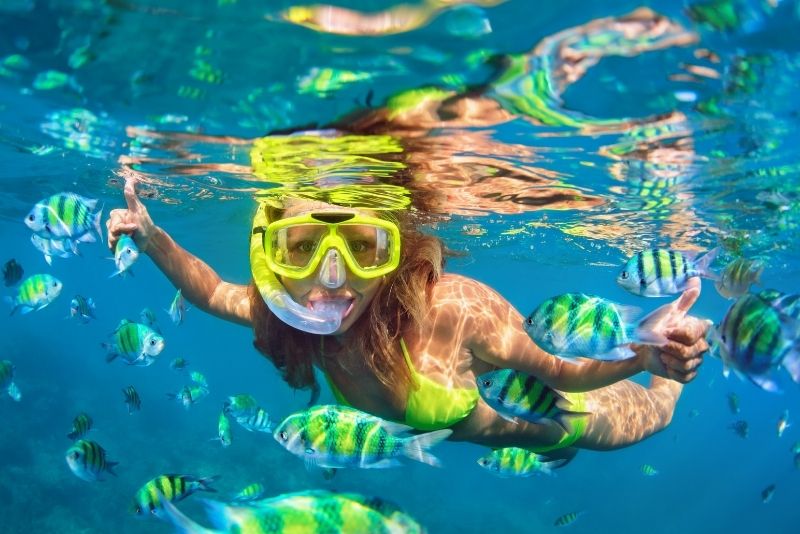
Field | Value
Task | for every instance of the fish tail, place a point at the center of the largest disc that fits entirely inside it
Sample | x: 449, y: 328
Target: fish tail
x: 791, y: 362
x: 110, y: 467
x: 204, y: 484
x: 183, y: 524
x: 14, y: 392
x: 415, y: 447
x: 645, y: 331
x: 11, y: 302
x: 96, y: 222
x: 703, y: 265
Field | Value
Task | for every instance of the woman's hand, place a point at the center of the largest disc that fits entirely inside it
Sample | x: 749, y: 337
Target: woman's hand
x: 686, y: 343
x: 134, y: 221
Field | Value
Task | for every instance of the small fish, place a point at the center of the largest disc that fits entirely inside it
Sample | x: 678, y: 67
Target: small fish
x: 660, y: 272
x: 136, y: 343
x: 648, y: 470
x: 783, y: 423
x: 754, y: 340
x: 574, y: 324
x: 65, y: 216
x: 60, y: 248
x: 88, y: 460
x: 12, y: 272
x: 515, y: 394
x: 131, y: 398
x: 198, y: 378
x: 125, y: 255
x: 240, y: 406
x: 177, y: 310
x: 82, y: 308
x: 252, y: 492
x: 258, y: 422
x: 148, y: 317
x: 694, y: 412
x: 80, y: 426
x: 796, y: 447
x: 738, y: 276
x: 733, y: 403
x: 740, y: 428
x: 35, y: 292
x: 224, y: 431
x: 767, y: 493
x: 178, y: 364
x: 338, y: 437
x: 170, y: 487
x: 189, y: 395
x: 7, y: 380
x: 567, y: 519
x: 308, y: 511
x: 517, y: 462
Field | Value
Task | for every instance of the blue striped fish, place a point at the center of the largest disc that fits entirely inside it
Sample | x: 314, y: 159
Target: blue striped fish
x: 136, y: 343
x: 224, y: 433
x: 80, y: 426
x: 82, y: 308
x: 177, y: 309
x: 125, y: 255
x: 171, y: 488
x: 258, y: 421
x: 337, y: 437
x: 661, y: 272
x: 7, y: 380
x: 567, y: 519
x: 754, y: 340
x: 35, y: 292
x: 65, y: 216
x: 517, y: 462
x: 189, y: 395
x: 251, y: 492
x: 516, y: 394
x: 132, y: 399
x: 88, y: 460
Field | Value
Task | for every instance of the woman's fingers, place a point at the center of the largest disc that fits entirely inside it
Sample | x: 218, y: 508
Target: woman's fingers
x: 690, y: 331
x: 688, y: 297
x: 134, y: 204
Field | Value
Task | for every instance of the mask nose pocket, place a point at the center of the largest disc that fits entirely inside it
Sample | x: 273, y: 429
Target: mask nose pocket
x: 332, y: 273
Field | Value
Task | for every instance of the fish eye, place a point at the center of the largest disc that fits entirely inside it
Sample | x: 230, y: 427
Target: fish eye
x: 31, y: 217
x: 483, y: 461
x: 529, y: 321
x: 284, y: 436
x: 75, y: 455
x: 624, y: 275
x: 487, y: 383
x: 152, y: 342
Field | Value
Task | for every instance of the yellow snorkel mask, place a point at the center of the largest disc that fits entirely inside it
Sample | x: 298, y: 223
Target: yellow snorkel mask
x: 296, y: 247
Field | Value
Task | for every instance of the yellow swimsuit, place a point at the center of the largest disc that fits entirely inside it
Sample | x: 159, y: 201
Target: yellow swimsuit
x: 432, y: 406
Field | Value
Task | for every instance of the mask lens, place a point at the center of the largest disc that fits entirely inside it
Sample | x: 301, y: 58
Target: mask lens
x: 295, y: 246
x: 368, y: 245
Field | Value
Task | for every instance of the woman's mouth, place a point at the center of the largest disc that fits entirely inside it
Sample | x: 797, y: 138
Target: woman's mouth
x: 340, y: 306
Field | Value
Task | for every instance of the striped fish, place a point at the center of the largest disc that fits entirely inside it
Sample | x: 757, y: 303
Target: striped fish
x: 259, y: 421
x: 171, y: 487
x: 80, y: 426
x: 136, y: 343
x: 567, y: 519
x: 224, y: 431
x: 35, y: 292
x: 65, y: 216
x: 125, y: 255
x: 60, y: 248
x: 240, y: 406
x: 517, y: 462
x: 754, y: 339
x: 198, y: 378
x: 661, y: 272
x: 82, y: 308
x: 251, y: 492
x: 648, y: 470
x: 514, y: 394
x: 738, y: 276
x: 574, y: 324
x: 88, y: 461
x: 337, y: 437
x: 132, y: 399
x: 177, y: 309
x: 309, y: 511
x: 178, y: 364
x: 189, y: 395
x: 7, y: 380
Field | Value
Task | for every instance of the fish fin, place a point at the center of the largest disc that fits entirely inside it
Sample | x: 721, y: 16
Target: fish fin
x: 90, y: 302
x: 703, y: 264
x: 766, y: 383
x: 628, y: 314
x: 97, y: 219
x: 415, y: 446
x: 791, y: 362
x: 168, y: 512
x: 11, y: 302
x: 389, y: 462
x: 26, y: 309
x: 204, y: 483
x: 394, y: 428
x: 14, y: 392
x: 110, y: 467
x: 645, y: 332
x: 49, y: 259
x: 617, y: 353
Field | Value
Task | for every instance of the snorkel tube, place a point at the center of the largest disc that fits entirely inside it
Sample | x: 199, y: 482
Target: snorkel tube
x: 322, y: 322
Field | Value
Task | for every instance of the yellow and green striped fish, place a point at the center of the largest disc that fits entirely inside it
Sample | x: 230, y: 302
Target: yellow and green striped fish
x: 7, y: 380
x: 517, y: 462
x: 171, y: 487
x: 65, y: 215
x: 336, y: 437
x: 136, y: 343
x: 661, y: 272
x: 132, y: 399
x: 309, y: 511
x: 88, y: 460
x: 224, y: 433
x: 35, y: 292
x: 516, y: 394
x: 251, y: 492
x: 80, y: 426
x: 567, y: 519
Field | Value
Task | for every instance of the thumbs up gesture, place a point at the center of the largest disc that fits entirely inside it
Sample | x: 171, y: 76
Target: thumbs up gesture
x: 133, y: 220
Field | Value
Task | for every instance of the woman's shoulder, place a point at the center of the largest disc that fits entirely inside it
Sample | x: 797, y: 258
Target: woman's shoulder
x: 463, y: 291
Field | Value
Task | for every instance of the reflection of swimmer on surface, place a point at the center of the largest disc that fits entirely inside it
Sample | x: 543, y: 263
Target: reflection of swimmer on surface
x: 360, y: 294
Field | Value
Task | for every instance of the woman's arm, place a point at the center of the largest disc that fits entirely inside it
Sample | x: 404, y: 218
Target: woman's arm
x: 497, y: 337
x: 198, y: 282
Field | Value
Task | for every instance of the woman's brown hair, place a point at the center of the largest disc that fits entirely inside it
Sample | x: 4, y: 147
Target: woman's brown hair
x: 400, y: 304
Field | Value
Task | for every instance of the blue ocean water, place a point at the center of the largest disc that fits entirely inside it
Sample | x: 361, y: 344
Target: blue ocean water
x: 551, y: 200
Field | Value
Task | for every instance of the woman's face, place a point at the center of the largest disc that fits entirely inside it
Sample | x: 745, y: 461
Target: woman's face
x: 353, y: 296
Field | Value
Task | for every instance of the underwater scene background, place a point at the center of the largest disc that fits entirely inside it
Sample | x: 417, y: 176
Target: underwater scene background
x: 603, y: 143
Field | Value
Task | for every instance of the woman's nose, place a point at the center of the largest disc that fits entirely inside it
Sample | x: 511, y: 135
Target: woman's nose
x: 332, y: 272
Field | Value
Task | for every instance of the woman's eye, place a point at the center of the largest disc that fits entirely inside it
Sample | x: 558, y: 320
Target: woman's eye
x: 304, y: 246
x: 358, y: 246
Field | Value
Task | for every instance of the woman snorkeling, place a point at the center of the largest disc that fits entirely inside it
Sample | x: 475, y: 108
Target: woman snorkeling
x: 361, y: 295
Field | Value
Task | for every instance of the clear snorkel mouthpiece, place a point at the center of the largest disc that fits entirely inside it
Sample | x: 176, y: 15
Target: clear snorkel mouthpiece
x: 332, y: 273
